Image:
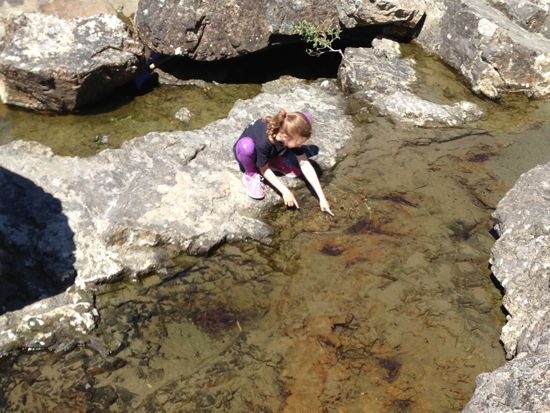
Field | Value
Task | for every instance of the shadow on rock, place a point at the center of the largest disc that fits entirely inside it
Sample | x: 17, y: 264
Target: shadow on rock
x: 36, y: 243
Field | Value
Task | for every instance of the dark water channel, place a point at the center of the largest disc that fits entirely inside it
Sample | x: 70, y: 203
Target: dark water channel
x: 388, y: 307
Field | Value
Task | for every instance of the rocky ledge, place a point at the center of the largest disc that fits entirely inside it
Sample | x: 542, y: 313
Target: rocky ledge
x: 521, y: 263
x: 126, y: 211
x: 52, y: 64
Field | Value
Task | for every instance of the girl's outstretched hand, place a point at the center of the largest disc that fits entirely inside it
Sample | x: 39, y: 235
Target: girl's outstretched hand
x: 325, y: 207
x: 290, y: 199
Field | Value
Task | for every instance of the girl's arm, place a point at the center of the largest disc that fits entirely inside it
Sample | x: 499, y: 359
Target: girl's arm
x: 288, y: 196
x: 313, y: 179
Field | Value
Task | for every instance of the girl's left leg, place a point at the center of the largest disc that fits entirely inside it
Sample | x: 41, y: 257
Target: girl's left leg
x: 245, y: 152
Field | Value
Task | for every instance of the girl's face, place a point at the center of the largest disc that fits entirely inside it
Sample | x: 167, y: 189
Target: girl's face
x: 289, y: 141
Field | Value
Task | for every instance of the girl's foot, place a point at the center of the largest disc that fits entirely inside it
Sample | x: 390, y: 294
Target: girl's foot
x: 254, y: 185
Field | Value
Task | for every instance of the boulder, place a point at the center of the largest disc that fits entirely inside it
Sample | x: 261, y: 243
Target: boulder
x: 520, y: 261
x: 495, y: 54
x: 532, y: 15
x: 520, y: 386
x: 130, y: 209
x: 381, y: 79
x: 51, y: 64
x: 213, y: 30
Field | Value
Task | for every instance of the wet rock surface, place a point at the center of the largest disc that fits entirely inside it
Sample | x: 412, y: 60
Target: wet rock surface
x: 210, y: 30
x: 384, y: 81
x: 51, y: 64
x: 55, y: 323
x: 521, y: 263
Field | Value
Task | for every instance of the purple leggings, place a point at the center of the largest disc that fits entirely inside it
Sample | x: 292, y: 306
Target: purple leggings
x: 245, y: 152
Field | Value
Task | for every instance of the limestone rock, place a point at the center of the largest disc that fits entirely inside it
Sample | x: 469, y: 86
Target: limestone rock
x: 520, y: 386
x: 47, y: 323
x: 51, y: 64
x: 212, y: 30
x: 184, y: 115
x: 381, y: 79
x: 532, y: 15
x: 497, y: 53
x: 521, y: 261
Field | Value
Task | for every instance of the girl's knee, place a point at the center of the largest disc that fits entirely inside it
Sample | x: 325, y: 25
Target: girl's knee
x: 246, y: 146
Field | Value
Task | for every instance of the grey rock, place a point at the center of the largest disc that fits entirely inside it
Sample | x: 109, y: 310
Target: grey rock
x: 51, y: 64
x: 168, y: 192
x: 520, y: 386
x: 212, y: 30
x: 47, y: 323
x: 496, y: 55
x: 532, y: 15
x: 383, y: 80
x: 184, y: 115
x: 521, y: 263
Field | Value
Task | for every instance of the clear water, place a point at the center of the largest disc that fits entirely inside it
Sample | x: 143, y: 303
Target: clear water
x: 123, y: 117
x: 387, y: 307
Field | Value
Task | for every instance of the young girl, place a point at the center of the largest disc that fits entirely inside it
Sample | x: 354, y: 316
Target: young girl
x: 267, y: 144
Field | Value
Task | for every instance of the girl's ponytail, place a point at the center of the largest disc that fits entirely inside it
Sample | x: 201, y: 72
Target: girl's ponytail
x: 274, y: 124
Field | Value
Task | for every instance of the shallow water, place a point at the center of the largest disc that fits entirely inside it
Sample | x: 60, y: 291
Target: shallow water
x: 123, y: 117
x: 388, y: 307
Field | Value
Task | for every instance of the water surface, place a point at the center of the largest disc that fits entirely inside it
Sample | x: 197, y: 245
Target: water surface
x: 123, y: 117
x: 387, y: 307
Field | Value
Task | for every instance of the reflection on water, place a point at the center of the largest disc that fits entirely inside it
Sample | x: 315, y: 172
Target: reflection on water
x: 388, y: 307
x: 123, y: 118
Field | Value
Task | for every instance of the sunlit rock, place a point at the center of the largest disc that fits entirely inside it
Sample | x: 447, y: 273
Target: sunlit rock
x: 172, y: 192
x: 521, y: 385
x: 381, y: 79
x: 51, y: 64
x: 499, y: 47
x: 212, y: 30
x: 521, y: 263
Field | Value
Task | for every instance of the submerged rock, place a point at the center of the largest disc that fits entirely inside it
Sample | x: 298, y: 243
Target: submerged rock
x: 521, y: 263
x: 129, y: 209
x: 51, y: 64
x: 383, y: 80
x: 49, y: 323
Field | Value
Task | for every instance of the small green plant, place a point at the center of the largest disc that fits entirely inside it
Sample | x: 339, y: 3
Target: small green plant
x: 319, y: 36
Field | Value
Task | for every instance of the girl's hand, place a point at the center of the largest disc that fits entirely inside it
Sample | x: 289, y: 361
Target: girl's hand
x: 290, y: 199
x: 325, y: 207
